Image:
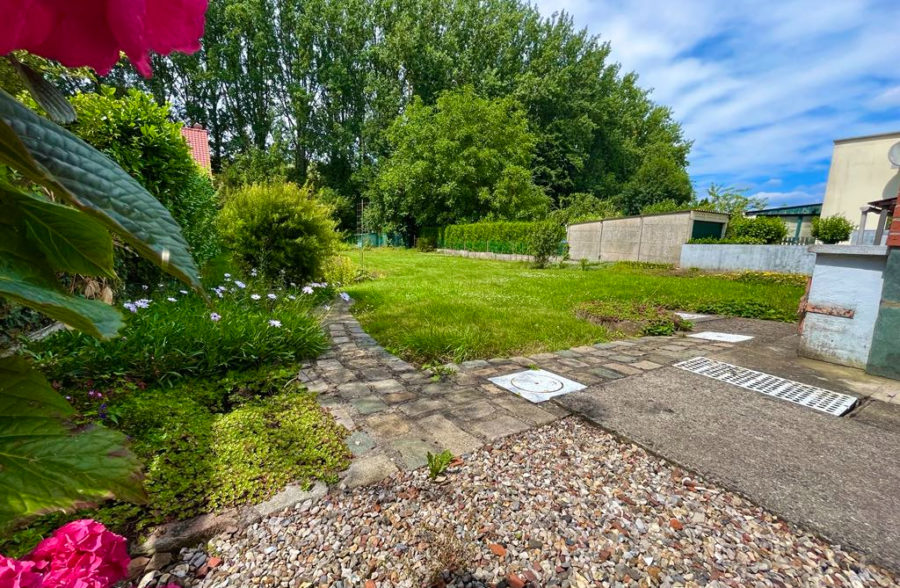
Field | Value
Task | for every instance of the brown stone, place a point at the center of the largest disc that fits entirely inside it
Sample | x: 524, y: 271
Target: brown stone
x: 676, y: 524
x: 214, y: 562
x: 497, y: 549
x: 136, y: 567
x: 370, y: 583
x: 514, y: 581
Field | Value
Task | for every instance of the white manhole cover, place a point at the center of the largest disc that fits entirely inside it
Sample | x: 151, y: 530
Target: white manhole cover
x: 724, y: 337
x: 537, y: 385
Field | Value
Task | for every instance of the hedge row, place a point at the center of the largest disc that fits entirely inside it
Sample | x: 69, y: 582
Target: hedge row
x: 496, y: 237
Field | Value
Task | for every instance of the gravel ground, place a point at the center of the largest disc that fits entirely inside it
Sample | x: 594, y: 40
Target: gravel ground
x: 562, y: 505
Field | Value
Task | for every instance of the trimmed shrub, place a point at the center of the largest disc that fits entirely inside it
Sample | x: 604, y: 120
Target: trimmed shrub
x: 727, y: 241
x: 768, y: 229
x: 832, y: 229
x: 544, y: 243
x: 425, y: 244
x: 497, y: 237
x: 280, y: 230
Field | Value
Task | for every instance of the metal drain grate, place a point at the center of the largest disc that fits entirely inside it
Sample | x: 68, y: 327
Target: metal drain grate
x: 833, y: 403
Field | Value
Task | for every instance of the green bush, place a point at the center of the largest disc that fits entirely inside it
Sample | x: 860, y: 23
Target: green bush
x: 664, y: 206
x: 425, y: 244
x: 139, y: 135
x: 544, y: 241
x: 168, y: 341
x: 768, y: 229
x: 832, y: 229
x: 279, y: 229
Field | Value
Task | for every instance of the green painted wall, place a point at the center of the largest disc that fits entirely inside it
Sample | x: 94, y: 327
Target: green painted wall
x: 884, y: 356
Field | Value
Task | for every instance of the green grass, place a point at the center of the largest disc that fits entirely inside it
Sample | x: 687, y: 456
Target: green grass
x: 428, y: 307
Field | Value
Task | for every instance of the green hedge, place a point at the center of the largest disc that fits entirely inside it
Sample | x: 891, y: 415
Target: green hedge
x: 496, y: 237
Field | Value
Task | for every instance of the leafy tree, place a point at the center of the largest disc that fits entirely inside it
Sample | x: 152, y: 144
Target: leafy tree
x: 665, y: 206
x: 464, y: 159
x: 581, y: 206
x: 659, y: 177
x: 729, y: 199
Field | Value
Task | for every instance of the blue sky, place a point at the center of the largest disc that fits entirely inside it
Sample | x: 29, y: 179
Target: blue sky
x: 762, y: 87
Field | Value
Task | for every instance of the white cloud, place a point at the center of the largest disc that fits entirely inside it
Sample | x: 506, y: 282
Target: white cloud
x: 762, y: 87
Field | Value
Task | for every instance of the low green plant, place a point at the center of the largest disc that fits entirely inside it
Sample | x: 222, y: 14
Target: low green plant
x: 280, y: 230
x: 544, y: 241
x: 425, y: 244
x: 746, y: 309
x: 209, y: 444
x: 832, y: 229
x: 439, y: 372
x: 768, y: 229
x: 727, y: 241
x: 173, y: 335
x: 633, y: 318
x: 585, y: 264
x: 438, y: 463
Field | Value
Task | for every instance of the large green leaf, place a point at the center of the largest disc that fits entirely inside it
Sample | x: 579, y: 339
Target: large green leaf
x: 45, y: 464
x: 70, y: 240
x: 91, y: 181
x: 44, y: 93
x: 26, y: 278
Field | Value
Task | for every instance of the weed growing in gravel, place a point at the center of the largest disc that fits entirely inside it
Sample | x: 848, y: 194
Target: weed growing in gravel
x: 437, y: 464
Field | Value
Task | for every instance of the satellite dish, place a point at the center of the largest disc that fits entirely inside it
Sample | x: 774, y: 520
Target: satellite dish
x: 894, y: 154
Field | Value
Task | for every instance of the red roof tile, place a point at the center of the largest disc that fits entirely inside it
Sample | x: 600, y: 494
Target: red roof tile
x: 198, y: 141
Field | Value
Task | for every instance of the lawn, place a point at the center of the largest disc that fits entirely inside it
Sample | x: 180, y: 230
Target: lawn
x: 427, y: 307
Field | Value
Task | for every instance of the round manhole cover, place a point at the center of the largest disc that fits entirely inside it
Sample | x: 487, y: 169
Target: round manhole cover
x: 536, y: 383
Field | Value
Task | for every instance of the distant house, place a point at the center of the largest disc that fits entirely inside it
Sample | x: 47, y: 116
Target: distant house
x: 797, y: 219
x: 198, y: 141
x: 861, y: 173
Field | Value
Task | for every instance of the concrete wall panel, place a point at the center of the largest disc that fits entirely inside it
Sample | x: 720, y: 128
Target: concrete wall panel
x: 584, y: 240
x: 621, y: 239
x: 791, y: 259
x: 663, y: 236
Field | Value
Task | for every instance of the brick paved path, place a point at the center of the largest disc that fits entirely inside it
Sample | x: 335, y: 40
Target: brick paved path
x: 397, y: 413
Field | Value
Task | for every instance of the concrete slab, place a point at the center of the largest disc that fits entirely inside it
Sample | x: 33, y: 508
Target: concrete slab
x: 360, y: 443
x: 368, y: 470
x: 387, y: 425
x: 369, y: 405
x: 497, y: 426
x: 838, y: 476
x: 447, y: 435
x: 413, y: 452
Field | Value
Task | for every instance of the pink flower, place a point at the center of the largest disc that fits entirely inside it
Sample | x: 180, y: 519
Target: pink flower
x: 93, y: 32
x: 18, y: 574
x: 81, y: 554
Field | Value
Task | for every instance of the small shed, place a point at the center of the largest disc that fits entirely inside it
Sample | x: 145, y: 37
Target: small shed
x: 655, y: 238
x: 798, y: 219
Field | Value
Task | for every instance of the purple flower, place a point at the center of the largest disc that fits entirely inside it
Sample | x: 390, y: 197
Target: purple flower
x: 307, y: 290
x: 255, y: 296
x: 274, y: 323
x: 131, y: 306
x: 271, y: 296
x: 240, y: 284
x: 215, y: 317
x: 345, y: 297
x: 142, y: 303
x: 170, y: 299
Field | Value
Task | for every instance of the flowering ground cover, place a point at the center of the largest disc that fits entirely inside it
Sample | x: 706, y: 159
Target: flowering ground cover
x: 428, y: 307
x: 206, y: 393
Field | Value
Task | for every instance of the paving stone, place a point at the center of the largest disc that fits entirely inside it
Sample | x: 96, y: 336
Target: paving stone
x: 522, y: 409
x: 353, y: 390
x: 376, y: 374
x: 413, y: 452
x: 474, y: 410
x: 341, y: 376
x: 541, y: 356
x: 435, y: 389
x: 497, y: 426
x: 573, y: 363
x: 387, y: 425
x: 622, y: 368
x: 605, y: 373
x: 400, y: 397
x: 339, y: 340
x: 360, y: 443
x: 369, y: 405
x: 462, y: 397
x: 424, y: 405
x: 474, y: 364
x: 387, y: 386
x: 368, y: 470
x: 341, y: 415
x: 447, y: 435
x: 319, y: 386
x: 622, y: 358
x: 646, y: 365
x: 568, y: 353
x: 584, y: 349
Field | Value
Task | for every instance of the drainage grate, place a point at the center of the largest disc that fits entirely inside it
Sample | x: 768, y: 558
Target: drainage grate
x: 833, y: 403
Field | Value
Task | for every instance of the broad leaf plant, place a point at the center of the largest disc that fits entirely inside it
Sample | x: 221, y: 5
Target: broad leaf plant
x: 62, y: 200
